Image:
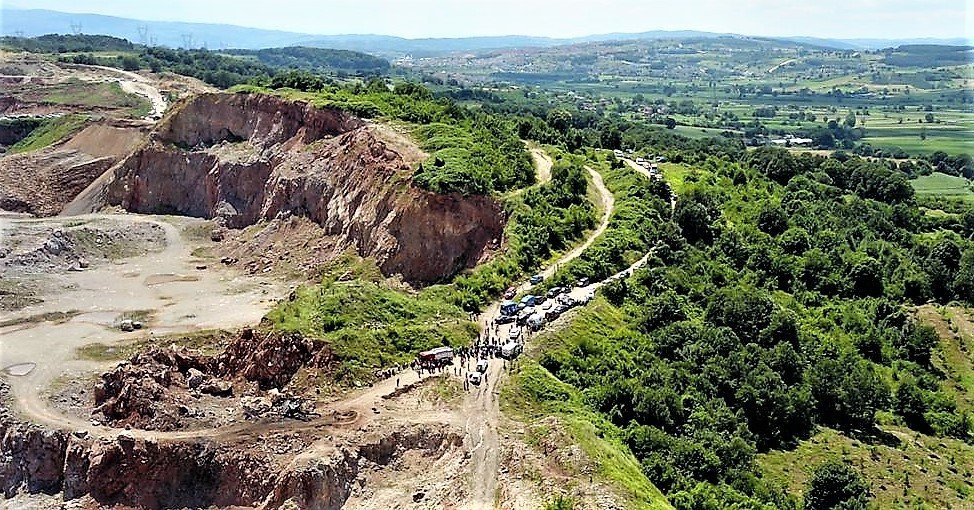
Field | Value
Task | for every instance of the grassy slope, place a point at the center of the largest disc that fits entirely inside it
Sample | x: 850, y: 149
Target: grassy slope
x: 367, y: 323
x: 50, y: 132
x: 533, y: 393
x: 935, y: 472
x: 944, y: 185
x: 953, y: 355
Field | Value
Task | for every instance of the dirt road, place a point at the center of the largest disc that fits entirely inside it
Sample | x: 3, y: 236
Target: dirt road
x: 481, y: 406
x: 542, y: 163
x: 137, y: 84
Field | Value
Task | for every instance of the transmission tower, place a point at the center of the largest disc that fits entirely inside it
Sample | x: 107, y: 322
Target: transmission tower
x: 187, y: 41
x: 143, y: 34
x: 76, y: 28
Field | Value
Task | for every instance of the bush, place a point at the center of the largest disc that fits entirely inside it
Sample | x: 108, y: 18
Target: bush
x: 836, y: 486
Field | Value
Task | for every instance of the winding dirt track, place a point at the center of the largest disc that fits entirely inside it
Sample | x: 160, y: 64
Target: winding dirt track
x: 481, y: 406
x: 137, y: 84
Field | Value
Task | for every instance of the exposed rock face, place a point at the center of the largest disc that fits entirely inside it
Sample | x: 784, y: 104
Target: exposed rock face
x: 155, y: 390
x: 325, y: 483
x: 246, y: 158
x: 128, y: 472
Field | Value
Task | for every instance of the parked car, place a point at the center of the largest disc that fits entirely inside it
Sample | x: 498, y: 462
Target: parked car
x: 508, y: 308
x: 523, y: 315
x: 506, y: 319
x: 511, y: 350
x: 588, y: 296
x: 547, y: 305
x: 515, y: 333
x: 475, y: 378
x: 566, y: 300
x: 510, y: 292
x: 582, y: 282
x: 481, y: 366
x: 529, y: 300
x: 536, y: 279
x: 536, y: 321
x: 554, y: 291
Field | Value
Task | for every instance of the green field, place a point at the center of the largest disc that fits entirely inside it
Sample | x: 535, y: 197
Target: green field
x: 943, y: 185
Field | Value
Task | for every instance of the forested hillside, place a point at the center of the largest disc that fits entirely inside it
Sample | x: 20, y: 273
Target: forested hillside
x: 780, y: 299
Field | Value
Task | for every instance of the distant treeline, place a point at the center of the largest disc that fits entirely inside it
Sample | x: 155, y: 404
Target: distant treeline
x: 54, y: 43
x: 316, y: 59
x: 929, y: 55
x: 221, y: 69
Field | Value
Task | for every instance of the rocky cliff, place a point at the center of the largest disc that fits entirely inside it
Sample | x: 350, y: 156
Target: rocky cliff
x: 122, y: 471
x: 245, y: 158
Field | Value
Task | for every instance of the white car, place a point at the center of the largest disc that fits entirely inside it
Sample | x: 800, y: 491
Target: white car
x: 475, y: 378
x: 481, y: 366
x: 515, y: 333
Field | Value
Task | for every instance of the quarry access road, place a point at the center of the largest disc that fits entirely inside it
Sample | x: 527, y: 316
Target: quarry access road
x: 133, y: 83
x: 481, y: 406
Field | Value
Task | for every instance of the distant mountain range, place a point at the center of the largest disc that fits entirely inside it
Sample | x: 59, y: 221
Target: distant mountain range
x: 34, y: 22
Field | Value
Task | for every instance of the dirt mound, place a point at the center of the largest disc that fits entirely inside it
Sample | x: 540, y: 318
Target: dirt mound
x: 41, y: 182
x: 40, y: 248
x: 247, y: 158
x: 173, y: 388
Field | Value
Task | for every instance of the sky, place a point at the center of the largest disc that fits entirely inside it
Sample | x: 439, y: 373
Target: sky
x: 888, y: 19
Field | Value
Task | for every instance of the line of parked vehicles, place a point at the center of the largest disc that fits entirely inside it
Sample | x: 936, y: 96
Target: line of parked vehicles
x: 533, y: 311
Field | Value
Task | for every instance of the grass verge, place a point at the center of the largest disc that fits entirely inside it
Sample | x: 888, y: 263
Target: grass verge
x: 532, y: 394
x: 49, y: 133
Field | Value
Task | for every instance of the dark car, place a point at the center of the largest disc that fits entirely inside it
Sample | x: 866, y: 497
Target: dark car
x: 506, y: 319
x: 536, y: 279
x: 554, y: 291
